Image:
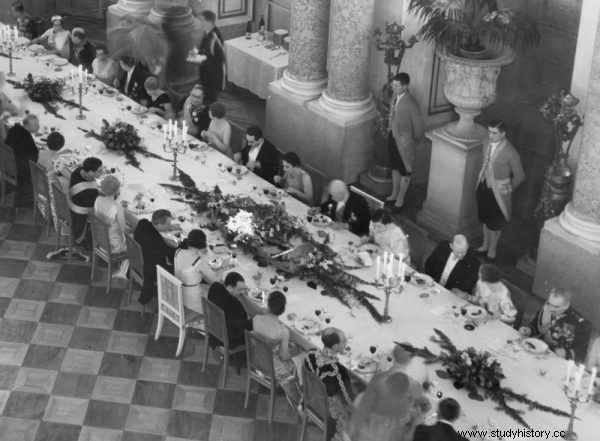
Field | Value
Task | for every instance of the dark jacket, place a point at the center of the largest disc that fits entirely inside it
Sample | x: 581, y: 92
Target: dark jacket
x: 236, y: 318
x: 24, y: 148
x: 83, y: 55
x: 438, y: 432
x: 464, y: 275
x: 268, y: 156
x: 155, y: 252
x: 135, y: 89
x: 356, y: 213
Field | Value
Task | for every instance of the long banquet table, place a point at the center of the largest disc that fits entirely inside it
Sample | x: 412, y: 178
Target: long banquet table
x: 414, y: 317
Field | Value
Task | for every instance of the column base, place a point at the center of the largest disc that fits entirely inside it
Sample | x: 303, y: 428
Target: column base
x: 568, y: 262
x: 571, y: 223
x: 307, y: 90
x: 347, y: 110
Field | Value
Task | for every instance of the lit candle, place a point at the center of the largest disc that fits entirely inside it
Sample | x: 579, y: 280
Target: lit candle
x: 170, y: 128
x: 184, y: 132
x: 385, y: 262
x: 378, y: 267
x: 165, y: 130
x: 16, y: 34
x: 391, y: 266
x: 85, y: 77
x: 591, y: 384
x: 569, y: 369
x: 80, y: 73
x: 578, y: 378
x: 400, y: 257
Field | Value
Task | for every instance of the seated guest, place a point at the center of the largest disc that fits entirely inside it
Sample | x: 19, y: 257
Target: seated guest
x: 20, y: 139
x: 259, y: 155
x: 191, y: 266
x: 391, y: 405
x: 25, y: 24
x: 104, y: 68
x: 83, y: 192
x: 56, y: 39
x: 491, y: 294
x: 47, y: 156
x: 219, y: 131
x: 346, y: 209
x: 387, y: 235
x: 82, y: 51
x: 560, y: 326
x: 227, y: 297
x: 448, y: 412
x: 195, y: 112
x: 154, y: 249
x: 454, y: 266
x: 131, y: 82
x: 295, y: 180
x: 160, y: 102
x: 325, y: 365
x: 110, y: 211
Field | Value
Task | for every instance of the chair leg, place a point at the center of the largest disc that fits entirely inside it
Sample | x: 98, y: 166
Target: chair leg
x: 248, y: 387
x: 225, y: 367
x: 130, y: 288
x: 109, y: 276
x: 271, y: 403
x: 303, y: 429
x: 159, y: 325
x: 93, y: 265
x: 182, y: 335
x: 58, y: 234
x: 71, y: 244
x: 206, y: 349
x: 35, y: 210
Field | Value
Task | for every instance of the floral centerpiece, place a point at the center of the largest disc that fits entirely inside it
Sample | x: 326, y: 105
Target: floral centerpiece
x: 480, y: 373
x: 241, y: 225
x: 42, y: 89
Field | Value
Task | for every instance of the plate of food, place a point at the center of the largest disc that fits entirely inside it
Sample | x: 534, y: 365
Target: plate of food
x: 109, y: 91
x: 36, y: 48
x: 273, y: 193
x: 366, y: 365
x: 58, y: 61
x: 420, y: 279
x: 257, y: 294
x: 321, y: 220
x: 239, y: 170
x: 307, y: 326
x: 475, y: 312
x: 139, y: 110
x: 215, y: 263
x: 534, y: 345
x: 370, y: 248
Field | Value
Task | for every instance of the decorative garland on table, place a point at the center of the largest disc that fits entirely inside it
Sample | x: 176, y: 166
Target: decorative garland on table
x: 477, y: 371
x: 42, y: 90
x: 256, y: 227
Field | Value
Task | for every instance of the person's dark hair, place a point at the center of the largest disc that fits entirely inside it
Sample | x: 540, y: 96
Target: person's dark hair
x: 382, y: 216
x: 489, y: 273
x: 55, y: 141
x: 403, y: 78
x: 127, y: 60
x: 449, y: 409
x: 17, y: 6
x: 330, y: 337
x: 276, y: 303
x: 91, y: 164
x: 498, y: 124
x: 102, y: 47
x: 217, y: 109
x: 196, y: 239
x: 233, y: 278
x: 292, y: 159
x: 254, y: 131
x: 209, y: 16
x: 79, y: 33
x: 159, y: 217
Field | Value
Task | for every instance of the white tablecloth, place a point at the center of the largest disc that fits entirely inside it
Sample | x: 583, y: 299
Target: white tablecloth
x: 413, y: 317
x: 252, y: 66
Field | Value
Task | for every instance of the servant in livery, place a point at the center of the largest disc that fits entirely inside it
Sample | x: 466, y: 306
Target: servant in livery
x: 212, y: 71
x: 83, y: 192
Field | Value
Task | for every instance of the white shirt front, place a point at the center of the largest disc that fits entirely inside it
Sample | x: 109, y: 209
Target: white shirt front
x: 253, y: 153
x: 450, y: 264
x: 128, y: 79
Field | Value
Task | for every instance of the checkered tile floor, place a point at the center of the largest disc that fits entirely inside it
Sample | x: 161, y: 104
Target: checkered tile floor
x: 79, y: 365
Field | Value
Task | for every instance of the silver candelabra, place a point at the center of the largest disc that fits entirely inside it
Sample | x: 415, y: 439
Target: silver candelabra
x: 388, y: 284
x: 175, y: 147
x: 575, y: 396
x: 10, y: 46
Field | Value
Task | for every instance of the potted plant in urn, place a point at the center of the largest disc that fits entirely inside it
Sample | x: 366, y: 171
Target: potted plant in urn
x: 475, y: 38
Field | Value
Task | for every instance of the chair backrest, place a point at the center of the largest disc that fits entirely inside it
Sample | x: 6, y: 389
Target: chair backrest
x: 374, y: 203
x: 238, y: 137
x: 314, y: 398
x: 61, y: 204
x: 131, y: 220
x: 170, y: 296
x: 8, y: 165
x: 214, y: 321
x: 319, y: 183
x: 520, y: 299
x: 417, y: 242
x: 136, y: 256
x: 100, y: 233
x: 39, y: 180
x: 259, y: 355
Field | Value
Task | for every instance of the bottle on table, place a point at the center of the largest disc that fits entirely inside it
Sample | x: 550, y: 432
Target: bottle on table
x: 261, y: 25
x: 249, y: 30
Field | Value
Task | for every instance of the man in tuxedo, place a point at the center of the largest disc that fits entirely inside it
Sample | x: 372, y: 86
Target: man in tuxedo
x: 20, y: 139
x: 443, y: 430
x: 454, y: 265
x: 82, y: 51
x: 154, y: 249
x: 227, y: 297
x: 131, y: 83
x: 348, y: 210
x: 260, y: 155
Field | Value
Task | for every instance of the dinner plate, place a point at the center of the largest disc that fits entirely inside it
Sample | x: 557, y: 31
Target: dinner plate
x: 370, y: 248
x: 273, y: 193
x: 48, y: 57
x: 139, y: 110
x: 366, y: 365
x: 420, y: 279
x: 109, y: 91
x: 321, y: 221
x: 239, y: 170
x: 307, y: 326
x: 60, y: 61
x: 36, y: 48
x: 475, y: 312
x: 215, y: 263
x: 534, y: 345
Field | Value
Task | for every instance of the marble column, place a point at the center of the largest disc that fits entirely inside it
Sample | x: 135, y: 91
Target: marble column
x: 350, y: 40
x: 306, y: 75
x: 120, y: 17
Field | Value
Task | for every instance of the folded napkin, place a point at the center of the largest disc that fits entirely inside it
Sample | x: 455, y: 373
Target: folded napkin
x: 438, y: 311
x: 364, y: 258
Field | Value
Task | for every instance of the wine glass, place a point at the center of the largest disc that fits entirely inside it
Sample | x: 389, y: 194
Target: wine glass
x: 273, y: 280
x: 318, y: 313
x: 373, y: 349
x: 439, y: 394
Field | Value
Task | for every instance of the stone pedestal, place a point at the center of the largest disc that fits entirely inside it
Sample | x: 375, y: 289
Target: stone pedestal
x: 306, y: 75
x: 451, y: 207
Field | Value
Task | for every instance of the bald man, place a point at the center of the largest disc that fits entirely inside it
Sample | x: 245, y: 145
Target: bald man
x: 454, y: 265
x: 348, y: 210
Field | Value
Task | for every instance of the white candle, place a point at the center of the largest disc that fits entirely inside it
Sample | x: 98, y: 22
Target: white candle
x: 578, y: 378
x: 400, y: 257
x: 165, y: 130
x: 80, y: 72
x: 591, y: 384
x: 377, y: 267
x: 184, y: 132
x: 569, y: 369
x: 391, y: 266
x: 85, y: 77
x: 16, y: 34
x: 385, y: 262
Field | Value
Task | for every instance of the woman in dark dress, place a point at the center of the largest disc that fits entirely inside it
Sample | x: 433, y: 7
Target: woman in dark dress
x: 160, y: 102
x: 212, y: 71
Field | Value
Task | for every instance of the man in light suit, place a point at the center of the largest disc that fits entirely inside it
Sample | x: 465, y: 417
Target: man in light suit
x: 406, y: 128
x: 499, y: 177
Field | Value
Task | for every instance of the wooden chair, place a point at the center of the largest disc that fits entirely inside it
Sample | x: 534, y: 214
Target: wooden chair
x: 170, y: 305
x: 214, y: 323
x: 259, y: 359
x: 520, y: 299
x: 101, y: 248
x: 63, y: 217
x: 374, y: 203
x: 136, y: 263
x: 41, y: 194
x: 315, y: 403
x: 417, y: 242
x: 8, y: 169
x: 319, y: 182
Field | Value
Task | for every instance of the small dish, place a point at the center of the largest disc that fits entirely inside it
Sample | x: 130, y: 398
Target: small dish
x: 534, y: 346
x: 60, y: 61
x: 307, y: 326
x: 366, y: 365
